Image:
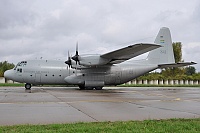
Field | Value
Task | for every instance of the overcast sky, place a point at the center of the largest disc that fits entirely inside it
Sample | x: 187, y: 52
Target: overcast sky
x: 30, y: 29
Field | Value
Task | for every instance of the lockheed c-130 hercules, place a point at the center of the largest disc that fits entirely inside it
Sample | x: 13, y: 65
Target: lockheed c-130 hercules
x: 96, y: 71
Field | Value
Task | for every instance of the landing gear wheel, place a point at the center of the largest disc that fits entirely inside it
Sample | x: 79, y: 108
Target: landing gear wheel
x: 81, y: 87
x: 98, y: 88
x: 28, y: 87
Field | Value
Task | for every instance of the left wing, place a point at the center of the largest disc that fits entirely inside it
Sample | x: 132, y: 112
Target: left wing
x: 129, y: 52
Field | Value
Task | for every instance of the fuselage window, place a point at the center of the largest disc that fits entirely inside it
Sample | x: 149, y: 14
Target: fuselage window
x: 20, y: 70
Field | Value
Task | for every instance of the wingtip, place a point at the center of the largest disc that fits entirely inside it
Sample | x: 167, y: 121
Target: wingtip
x: 193, y: 63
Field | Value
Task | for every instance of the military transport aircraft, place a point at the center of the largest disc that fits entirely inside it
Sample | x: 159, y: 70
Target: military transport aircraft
x: 96, y: 71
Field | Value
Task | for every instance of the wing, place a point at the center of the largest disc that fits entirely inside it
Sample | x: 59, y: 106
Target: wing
x: 181, y: 64
x: 129, y: 52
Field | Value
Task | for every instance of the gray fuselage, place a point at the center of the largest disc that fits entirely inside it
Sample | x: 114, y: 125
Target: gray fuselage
x: 40, y: 72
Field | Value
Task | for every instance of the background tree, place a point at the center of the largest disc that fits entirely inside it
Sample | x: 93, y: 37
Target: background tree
x: 5, y: 66
x: 190, y: 70
x: 175, y: 72
x: 177, y: 48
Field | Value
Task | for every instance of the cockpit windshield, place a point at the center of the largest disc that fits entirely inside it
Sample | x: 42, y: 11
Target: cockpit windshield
x: 22, y: 63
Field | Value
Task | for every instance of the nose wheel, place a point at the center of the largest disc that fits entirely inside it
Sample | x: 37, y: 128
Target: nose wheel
x: 28, y: 87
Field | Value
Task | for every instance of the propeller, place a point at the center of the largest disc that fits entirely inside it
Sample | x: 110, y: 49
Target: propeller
x: 69, y: 61
x: 75, y: 57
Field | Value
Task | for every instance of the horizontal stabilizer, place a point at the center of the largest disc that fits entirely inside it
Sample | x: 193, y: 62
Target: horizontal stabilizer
x: 181, y: 64
x: 129, y: 52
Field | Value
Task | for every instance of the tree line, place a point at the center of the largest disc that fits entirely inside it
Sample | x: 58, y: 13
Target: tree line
x: 188, y: 73
x: 5, y: 66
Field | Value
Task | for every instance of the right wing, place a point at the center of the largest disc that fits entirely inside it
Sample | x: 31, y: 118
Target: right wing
x: 129, y: 52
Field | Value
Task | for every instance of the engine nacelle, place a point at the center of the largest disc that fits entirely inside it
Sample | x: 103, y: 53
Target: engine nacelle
x: 92, y: 60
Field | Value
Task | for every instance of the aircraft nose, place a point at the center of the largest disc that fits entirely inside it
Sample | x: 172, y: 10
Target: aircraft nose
x: 8, y: 74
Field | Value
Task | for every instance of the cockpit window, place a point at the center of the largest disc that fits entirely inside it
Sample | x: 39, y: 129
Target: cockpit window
x: 22, y: 63
x: 16, y: 66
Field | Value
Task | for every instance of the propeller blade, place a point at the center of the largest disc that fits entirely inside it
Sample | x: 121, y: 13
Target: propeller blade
x: 68, y: 55
x: 77, y: 49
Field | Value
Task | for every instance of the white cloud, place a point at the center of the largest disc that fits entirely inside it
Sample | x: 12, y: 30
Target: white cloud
x: 191, y: 52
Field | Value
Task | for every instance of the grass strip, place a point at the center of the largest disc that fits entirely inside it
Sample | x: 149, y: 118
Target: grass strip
x: 147, y: 126
x: 11, y: 84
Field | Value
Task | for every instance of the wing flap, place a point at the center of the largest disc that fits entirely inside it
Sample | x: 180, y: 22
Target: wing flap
x: 181, y: 64
x: 129, y: 52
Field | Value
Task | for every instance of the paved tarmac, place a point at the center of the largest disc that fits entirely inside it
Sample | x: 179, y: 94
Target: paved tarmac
x: 46, y: 105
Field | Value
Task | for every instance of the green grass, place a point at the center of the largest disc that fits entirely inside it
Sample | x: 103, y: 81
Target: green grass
x: 11, y: 84
x: 147, y: 126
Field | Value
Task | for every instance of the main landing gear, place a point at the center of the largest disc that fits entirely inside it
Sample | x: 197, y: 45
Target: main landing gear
x: 82, y: 87
x: 28, y: 87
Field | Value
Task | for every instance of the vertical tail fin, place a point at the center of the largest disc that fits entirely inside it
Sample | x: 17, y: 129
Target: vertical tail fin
x: 164, y: 54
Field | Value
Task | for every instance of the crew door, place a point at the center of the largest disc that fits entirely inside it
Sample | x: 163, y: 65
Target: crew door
x: 37, y: 77
x: 19, y: 74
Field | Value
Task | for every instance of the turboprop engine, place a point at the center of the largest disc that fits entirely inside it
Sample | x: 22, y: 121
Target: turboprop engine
x: 85, y: 60
x: 92, y: 60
